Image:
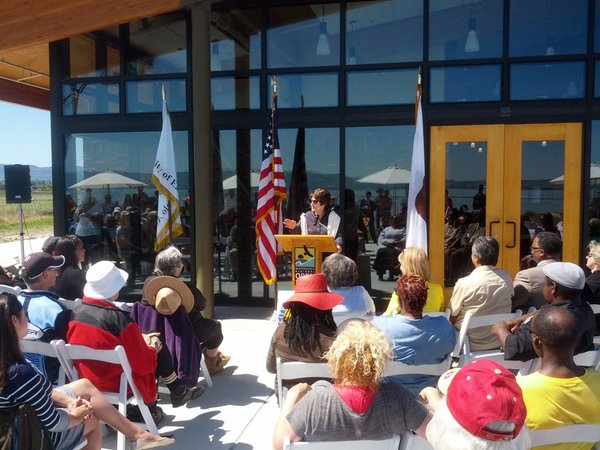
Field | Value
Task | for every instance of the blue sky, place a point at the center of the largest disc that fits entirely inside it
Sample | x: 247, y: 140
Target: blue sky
x: 24, y: 135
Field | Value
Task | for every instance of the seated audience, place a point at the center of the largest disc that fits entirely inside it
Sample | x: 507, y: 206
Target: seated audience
x: 486, y: 290
x: 341, y: 274
x: 71, y: 280
x: 98, y: 323
x: 169, y: 262
x: 48, y: 318
x: 413, y: 261
x: 68, y: 413
x: 591, y: 289
x: 483, y: 409
x: 308, y: 328
x: 560, y: 393
x: 391, y: 241
x: 358, y: 405
x: 416, y: 339
x: 563, y: 286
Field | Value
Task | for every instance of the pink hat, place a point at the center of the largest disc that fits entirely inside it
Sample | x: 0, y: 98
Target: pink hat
x: 483, y: 392
x: 312, y: 291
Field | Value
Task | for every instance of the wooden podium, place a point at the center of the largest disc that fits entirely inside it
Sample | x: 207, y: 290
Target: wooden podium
x: 307, y: 252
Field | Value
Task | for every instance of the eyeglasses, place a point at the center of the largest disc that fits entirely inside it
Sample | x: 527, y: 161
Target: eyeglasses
x: 314, y: 200
x: 534, y: 248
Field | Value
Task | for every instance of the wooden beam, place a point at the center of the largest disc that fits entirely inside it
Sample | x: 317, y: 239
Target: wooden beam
x: 28, y: 22
x: 13, y: 92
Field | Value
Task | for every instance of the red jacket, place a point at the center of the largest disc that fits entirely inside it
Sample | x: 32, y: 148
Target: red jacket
x: 101, y: 325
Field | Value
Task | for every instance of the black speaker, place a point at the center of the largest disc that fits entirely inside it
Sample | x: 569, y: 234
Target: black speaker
x: 17, y: 182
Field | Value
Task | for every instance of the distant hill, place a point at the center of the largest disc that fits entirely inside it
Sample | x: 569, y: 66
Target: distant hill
x: 37, y: 173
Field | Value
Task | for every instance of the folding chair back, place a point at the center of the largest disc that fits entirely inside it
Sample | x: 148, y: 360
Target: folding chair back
x: 566, y: 434
x: 292, y: 370
x: 47, y: 349
x: 391, y: 443
x: 69, y: 353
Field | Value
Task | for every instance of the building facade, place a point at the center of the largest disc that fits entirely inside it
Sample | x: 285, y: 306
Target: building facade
x: 510, y: 101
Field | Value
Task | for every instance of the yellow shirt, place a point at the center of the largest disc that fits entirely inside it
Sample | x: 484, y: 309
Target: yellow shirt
x: 435, y: 300
x: 552, y: 402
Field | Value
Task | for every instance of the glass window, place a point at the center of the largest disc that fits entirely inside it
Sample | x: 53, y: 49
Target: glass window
x: 547, y: 81
x: 594, y: 185
x: 235, y: 37
x: 158, y: 45
x: 465, y: 84
x: 382, y: 87
x: 94, y: 55
x: 471, y: 29
x: 146, y: 96
x: 597, y: 79
x: 90, y: 98
x: 316, y: 90
x: 384, y: 31
x: 597, y: 28
x: 229, y: 93
x: 304, y: 36
x: 130, y: 233
x: 548, y: 27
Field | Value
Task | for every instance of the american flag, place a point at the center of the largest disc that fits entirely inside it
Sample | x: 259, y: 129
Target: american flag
x: 271, y: 193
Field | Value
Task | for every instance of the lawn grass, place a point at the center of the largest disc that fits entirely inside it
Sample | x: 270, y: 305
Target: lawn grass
x: 37, y: 216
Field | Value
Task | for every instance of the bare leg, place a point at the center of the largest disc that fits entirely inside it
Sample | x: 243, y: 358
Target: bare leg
x: 106, y: 412
x: 93, y: 434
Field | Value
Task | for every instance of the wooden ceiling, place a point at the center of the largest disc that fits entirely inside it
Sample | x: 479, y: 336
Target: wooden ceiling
x: 27, y: 26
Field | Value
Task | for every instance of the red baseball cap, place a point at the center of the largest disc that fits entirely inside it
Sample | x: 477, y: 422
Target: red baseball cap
x: 484, y: 392
x: 312, y: 291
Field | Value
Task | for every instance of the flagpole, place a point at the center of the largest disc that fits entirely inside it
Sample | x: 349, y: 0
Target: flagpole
x: 170, y: 222
x: 277, y: 201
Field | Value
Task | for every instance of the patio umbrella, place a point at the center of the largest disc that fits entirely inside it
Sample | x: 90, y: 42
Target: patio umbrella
x: 392, y: 175
x: 231, y: 182
x: 594, y: 175
x: 107, y: 180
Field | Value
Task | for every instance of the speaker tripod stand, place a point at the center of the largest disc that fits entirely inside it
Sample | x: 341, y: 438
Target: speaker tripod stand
x: 21, y: 233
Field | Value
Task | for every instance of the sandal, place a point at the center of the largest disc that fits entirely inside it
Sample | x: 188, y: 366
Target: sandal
x: 222, y: 359
x: 144, y: 445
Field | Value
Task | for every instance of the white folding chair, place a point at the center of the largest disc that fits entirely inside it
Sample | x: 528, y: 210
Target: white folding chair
x: 566, y: 434
x: 391, y: 443
x: 462, y: 350
x: 69, y: 353
x: 47, y: 349
x: 411, y: 441
x: 292, y: 370
x: 399, y: 368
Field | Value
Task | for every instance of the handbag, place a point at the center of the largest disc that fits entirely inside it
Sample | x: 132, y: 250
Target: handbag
x: 21, y: 429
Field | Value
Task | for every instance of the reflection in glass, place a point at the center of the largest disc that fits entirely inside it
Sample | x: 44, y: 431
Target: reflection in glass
x: 94, y: 55
x: 381, y: 87
x: 296, y: 36
x: 466, y: 167
x: 542, y: 186
x: 126, y: 236
x: 146, y: 96
x: 235, y: 37
x: 471, y: 29
x: 594, y: 185
x: 539, y: 81
x: 548, y: 27
x: 229, y: 93
x: 158, y: 45
x: 384, y: 31
x: 465, y: 84
x: 316, y: 90
x: 90, y: 98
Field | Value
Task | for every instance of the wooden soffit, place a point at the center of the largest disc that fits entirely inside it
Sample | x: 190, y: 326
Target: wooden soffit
x: 26, y: 23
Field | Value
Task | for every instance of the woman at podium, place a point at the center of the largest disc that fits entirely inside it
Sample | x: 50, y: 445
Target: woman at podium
x: 321, y: 219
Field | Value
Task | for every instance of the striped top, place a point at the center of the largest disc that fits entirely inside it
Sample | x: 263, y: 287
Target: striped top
x: 27, y: 385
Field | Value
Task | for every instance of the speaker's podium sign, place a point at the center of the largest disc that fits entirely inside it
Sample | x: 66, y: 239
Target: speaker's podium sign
x: 307, y: 252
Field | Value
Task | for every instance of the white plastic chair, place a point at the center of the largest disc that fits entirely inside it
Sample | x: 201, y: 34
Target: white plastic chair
x: 47, y: 349
x: 384, y: 444
x: 69, y: 353
x: 399, y: 368
x: 411, y: 441
x: 292, y: 370
x: 566, y: 434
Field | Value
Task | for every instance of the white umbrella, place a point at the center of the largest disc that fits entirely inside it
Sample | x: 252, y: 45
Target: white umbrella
x: 594, y: 175
x: 107, y: 180
x: 231, y: 182
x: 392, y: 175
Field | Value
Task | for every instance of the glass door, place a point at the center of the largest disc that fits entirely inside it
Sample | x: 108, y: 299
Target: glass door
x: 507, y: 181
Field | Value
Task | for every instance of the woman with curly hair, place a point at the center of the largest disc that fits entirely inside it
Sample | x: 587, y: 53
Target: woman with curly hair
x: 413, y: 260
x: 416, y: 339
x: 308, y: 328
x: 359, y: 404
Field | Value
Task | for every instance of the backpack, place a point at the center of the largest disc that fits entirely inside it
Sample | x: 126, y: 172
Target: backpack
x: 20, y: 429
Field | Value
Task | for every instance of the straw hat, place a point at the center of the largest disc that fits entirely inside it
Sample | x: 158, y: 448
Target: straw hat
x: 168, y: 293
